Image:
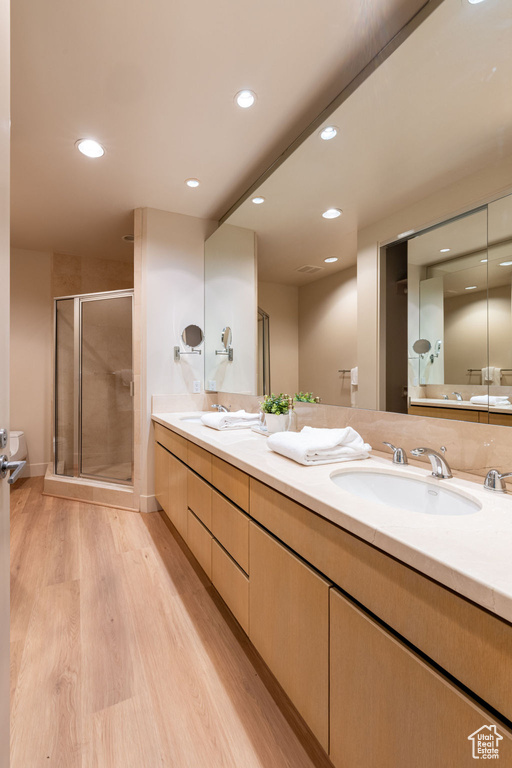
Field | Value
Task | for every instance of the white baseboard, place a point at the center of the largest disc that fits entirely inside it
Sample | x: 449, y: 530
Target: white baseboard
x: 34, y: 470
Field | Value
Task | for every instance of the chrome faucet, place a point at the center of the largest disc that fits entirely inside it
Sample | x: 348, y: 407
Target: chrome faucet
x: 440, y: 467
x: 221, y: 408
x: 445, y: 397
x: 495, y: 481
x: 399, y: 454
x: 458, y: 396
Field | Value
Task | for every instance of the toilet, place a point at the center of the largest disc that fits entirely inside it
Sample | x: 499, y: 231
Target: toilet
x: 17, y: 446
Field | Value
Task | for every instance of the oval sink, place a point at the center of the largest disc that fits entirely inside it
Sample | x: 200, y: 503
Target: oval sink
x: 411, y: 494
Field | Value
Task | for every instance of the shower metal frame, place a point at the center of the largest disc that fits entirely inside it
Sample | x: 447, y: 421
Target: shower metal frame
x: 78, y: 299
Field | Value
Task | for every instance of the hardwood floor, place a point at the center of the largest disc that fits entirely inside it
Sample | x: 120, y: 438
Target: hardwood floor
x: 122, y: 655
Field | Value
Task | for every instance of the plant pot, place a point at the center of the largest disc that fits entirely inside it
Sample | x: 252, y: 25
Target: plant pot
x: 277, y: 422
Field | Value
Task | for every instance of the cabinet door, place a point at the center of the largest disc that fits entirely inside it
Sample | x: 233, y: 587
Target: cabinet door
x: 162, y: 476
x: 177, y: 508
x: 389, y: 708
x: 289, y: 626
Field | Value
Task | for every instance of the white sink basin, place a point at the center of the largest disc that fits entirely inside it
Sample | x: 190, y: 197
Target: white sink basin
x: 194, y: 418
x: 411, y: 494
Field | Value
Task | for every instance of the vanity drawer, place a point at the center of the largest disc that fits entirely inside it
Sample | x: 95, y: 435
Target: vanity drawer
x: 289, y: 627
x: 469, y: 642
x: 199, y: 460
x: 200, y: 498
x: 231, y: 528
x: 390, y: 708
x: 199, y: 542
x: 173, y: 442
x: 162, y: 472
x: 230, y: 481
x: 231, y: 584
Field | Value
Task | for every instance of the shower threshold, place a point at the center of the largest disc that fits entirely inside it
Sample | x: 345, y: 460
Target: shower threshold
x: 90, y: 491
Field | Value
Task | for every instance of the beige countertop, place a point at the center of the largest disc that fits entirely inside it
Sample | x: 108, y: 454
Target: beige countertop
x: 471, y: 554
x: 463, y: 405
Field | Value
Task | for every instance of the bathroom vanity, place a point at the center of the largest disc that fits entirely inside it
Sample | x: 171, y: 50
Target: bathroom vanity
x: 391, y: 632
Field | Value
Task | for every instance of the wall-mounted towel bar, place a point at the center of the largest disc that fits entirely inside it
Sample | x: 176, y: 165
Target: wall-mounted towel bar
x: 344, y: 370
x: 479, y: 370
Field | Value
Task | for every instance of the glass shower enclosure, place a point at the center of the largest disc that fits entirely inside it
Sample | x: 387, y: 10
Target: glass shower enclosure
x: 93, y: 395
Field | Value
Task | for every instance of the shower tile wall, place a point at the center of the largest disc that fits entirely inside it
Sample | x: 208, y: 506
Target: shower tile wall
x: 73, y: 275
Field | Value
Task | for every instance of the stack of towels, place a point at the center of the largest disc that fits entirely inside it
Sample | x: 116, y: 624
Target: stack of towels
x: 320, y: 446
x: 490, y: 400
x: 235, y: 420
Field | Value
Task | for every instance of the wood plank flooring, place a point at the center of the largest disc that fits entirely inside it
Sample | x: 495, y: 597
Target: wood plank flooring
x: 123, y: 656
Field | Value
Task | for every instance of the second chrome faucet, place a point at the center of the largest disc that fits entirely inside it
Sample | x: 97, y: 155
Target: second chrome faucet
x: 440, y: 467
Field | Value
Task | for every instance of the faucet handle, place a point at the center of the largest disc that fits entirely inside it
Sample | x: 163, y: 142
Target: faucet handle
x: 399, y: 454
x: 495, y: 481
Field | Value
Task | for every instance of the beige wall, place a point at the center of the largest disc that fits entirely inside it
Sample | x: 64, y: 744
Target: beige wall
x: 466, y: 333
x: 281, y: 303
x: 4, y: 379
x: 31, y: 354
x: 328, y: 336
x: 37, y: 277
x: 474, y: 190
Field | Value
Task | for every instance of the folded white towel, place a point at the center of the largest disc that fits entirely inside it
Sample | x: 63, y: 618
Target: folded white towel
x: 490, y: 400
x: 354, y: 376
x: 234, y: 420
x: 320, y: 446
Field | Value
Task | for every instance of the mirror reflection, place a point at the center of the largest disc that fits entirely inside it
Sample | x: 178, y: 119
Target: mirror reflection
x: 346, y: 237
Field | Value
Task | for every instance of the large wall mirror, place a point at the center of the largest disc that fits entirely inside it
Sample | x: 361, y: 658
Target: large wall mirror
x: 434, y: 113
x: 460, y: 308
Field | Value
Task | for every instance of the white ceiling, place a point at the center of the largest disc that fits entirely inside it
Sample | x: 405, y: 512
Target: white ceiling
x: 436, y: 111
x: 154, y: 82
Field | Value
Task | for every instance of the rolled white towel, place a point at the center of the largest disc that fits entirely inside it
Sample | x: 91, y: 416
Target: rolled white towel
x: 490, y: 400
x: 234, y: 420
x: 320, y: 446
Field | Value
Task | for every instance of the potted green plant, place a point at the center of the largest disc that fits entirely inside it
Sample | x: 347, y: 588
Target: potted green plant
x: 277, y: 410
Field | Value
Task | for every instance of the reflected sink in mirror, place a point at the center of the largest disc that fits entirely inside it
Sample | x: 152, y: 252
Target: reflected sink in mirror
x: 411, y: 494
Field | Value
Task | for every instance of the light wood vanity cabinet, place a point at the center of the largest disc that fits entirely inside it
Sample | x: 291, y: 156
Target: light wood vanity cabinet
x: 177, y: 506
x: 199, y: 540
x: 289, y: 626
x: 389, y: 708
x: 370, y: 687
x: 162, y: 476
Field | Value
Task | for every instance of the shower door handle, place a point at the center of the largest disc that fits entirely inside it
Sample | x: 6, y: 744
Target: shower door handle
x: 10, y: 466
x: 132, y: 388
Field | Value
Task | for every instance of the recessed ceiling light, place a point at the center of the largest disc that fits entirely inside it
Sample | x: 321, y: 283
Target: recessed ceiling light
x: 245, y: 99
x: 505, y: 263
x: 90, y: 148
x: 128, y: 238
x: 332, y: 213
x: 258, y: 200
x: 470, y: 288
x: 444, y: 250
x: 329, y: 132
x: 483, y: 261
x: 331, y: 260
x: 192, y: 182
x: 475, y: 2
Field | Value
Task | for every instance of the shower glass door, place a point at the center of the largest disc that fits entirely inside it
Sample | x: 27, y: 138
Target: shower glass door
x: 94, y: 387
